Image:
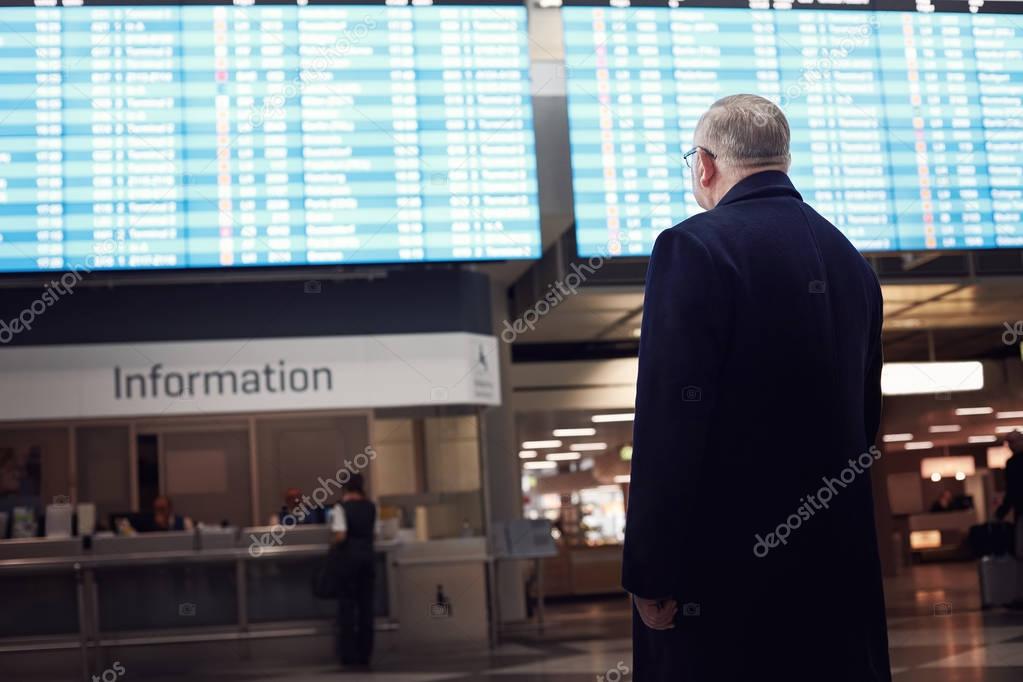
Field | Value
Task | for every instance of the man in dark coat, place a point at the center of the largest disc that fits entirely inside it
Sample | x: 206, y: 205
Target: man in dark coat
x: 1014, y: 500
x: 750, y: 547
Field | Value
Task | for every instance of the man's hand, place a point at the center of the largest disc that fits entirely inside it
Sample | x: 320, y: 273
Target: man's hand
x: 657, y: 614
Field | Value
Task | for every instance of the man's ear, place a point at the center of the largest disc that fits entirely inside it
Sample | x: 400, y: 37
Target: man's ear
x: 708, y: 169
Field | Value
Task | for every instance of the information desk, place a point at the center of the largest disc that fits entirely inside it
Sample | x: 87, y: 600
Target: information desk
x: 156, y: 588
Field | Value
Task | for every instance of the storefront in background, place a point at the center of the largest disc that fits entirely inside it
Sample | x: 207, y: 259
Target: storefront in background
x: 575, y: 473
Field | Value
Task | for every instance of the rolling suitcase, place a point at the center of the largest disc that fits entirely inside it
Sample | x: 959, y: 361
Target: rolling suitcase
x: 997, y: 580
x: 992, y: 538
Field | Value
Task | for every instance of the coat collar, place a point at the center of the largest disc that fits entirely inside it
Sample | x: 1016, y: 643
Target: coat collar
x: 769, y: 183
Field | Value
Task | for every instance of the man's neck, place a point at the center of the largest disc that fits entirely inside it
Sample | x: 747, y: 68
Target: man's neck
x: 736, y: 176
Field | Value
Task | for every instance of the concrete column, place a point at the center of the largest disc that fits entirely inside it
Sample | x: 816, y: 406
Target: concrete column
x: 504, y: 484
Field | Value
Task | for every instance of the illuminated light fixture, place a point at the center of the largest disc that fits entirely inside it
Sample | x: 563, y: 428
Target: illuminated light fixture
x: 625, y: 453
x: 920, y: 445
x: 1009, y: 429
x: 947, y: 467
x: 925, y: 539
x: 623, y: 478
x: 945, y: 428
x: 637, y: 332
x: 897, y: 437
x: 541, y: 465
x: 572, y: 433
x: 527, y: 454
x: 588, y: 447
x: 998, y: 456
x: 982, y: 439
x: 541, y: 444
x: 960, y: 476
x: 608, y: 418
x: 1014, y: 414
x: 918, y: 378
x: 563, y: 456
x: 973, y: 411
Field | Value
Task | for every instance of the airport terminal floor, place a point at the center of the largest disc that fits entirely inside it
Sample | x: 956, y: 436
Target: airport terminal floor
x: 938, y: 633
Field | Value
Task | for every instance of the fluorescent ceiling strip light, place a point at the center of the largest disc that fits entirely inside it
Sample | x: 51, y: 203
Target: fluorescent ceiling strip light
x: 572, y: 433
x: 973, y: 411
x: 945, y: 428
x: 617, y: 417
x: 541, y: 444
x: 588, y: 447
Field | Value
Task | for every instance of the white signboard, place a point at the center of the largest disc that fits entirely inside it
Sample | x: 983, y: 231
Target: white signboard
x: 920, y: 378
x: 204, y: 377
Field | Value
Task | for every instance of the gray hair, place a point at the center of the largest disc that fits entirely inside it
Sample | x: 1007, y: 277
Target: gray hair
x: 745, y: 131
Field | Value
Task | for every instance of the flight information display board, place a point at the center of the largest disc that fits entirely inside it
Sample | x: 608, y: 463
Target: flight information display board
x: 139, y: 135
x: 907, y: 119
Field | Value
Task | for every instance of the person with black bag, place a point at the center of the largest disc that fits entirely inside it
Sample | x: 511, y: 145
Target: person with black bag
x: 353, y: 568
x: 1013, y: 501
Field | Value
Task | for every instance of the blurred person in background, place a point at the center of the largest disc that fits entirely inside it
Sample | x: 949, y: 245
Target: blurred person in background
x: 944, y: 502
x: 302, y: 512
x: 352, y: 523
x: 164, y: 518
x: 761, y: 325
x: 1013, y: 501
x: 21, y: 508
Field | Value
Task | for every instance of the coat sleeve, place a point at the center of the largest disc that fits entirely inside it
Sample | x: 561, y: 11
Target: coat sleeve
x: 875, y: 362
x: 679, y: 355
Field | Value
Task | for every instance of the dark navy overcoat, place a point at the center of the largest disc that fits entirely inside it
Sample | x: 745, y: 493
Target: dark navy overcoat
x: 758, y: 404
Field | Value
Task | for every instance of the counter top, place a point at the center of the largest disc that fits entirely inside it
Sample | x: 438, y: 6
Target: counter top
x: 83, y: 558
x: 57, y: 555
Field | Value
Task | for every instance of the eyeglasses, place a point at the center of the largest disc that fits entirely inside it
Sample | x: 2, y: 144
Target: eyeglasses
x: 689, y: 155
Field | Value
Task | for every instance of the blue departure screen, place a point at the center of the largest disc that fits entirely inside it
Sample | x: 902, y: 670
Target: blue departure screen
x: 907, y: 119
x: 207, y: 135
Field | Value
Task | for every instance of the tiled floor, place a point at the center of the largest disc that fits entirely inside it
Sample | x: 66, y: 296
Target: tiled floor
x: 967, y: 644
x: 938, y: 633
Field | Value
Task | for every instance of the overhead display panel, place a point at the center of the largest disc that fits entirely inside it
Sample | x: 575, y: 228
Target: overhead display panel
x: 907, y: 119
x: 220, y: 135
